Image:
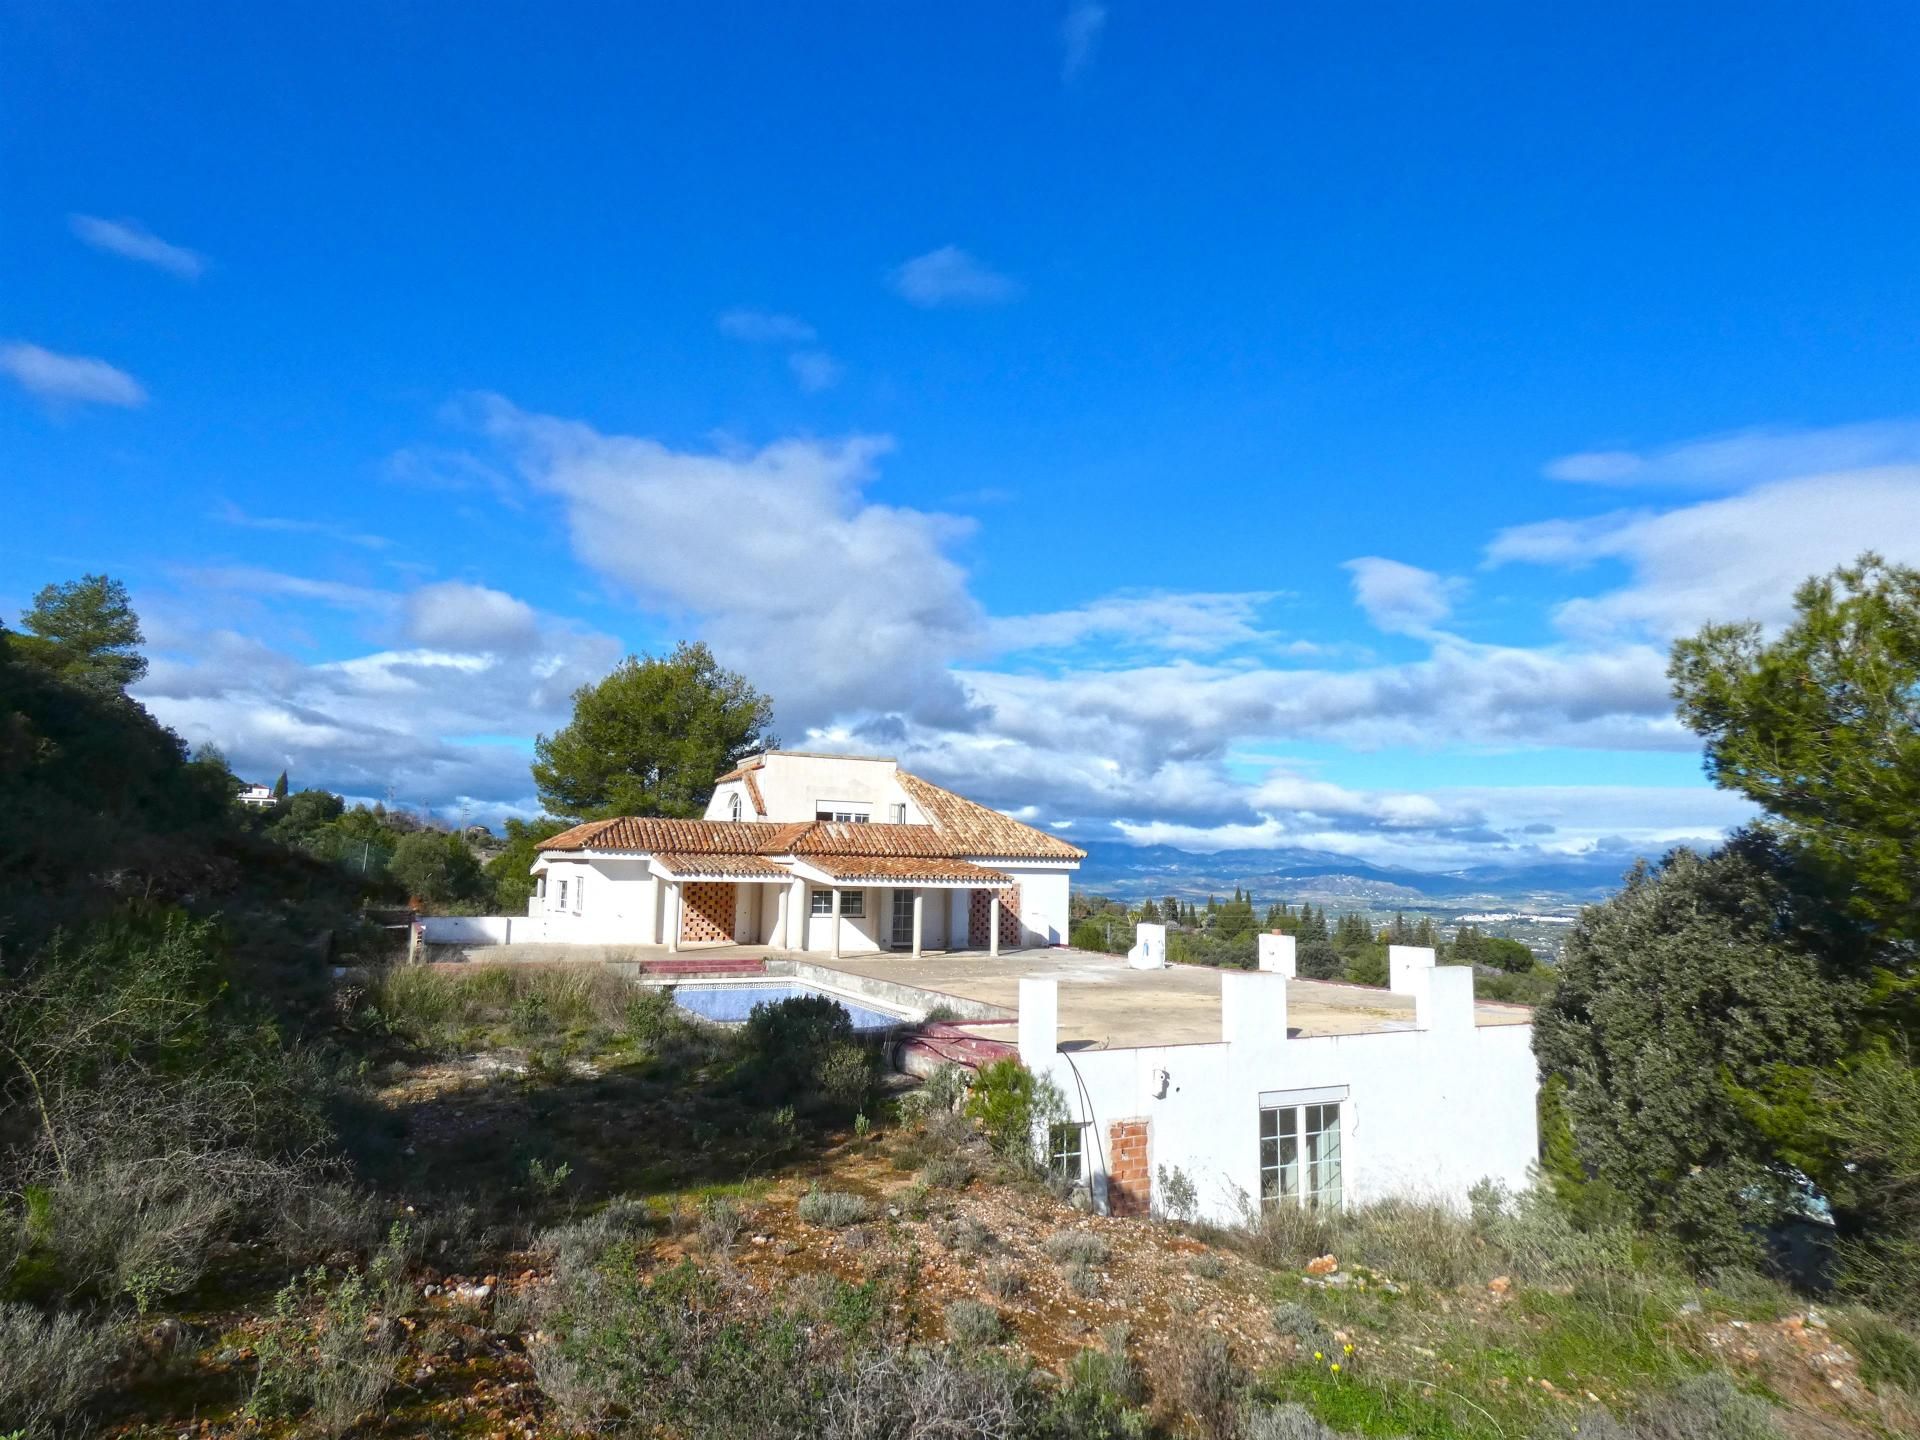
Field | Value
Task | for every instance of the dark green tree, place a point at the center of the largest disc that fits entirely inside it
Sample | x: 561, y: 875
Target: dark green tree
x: 280, y: 786
x: 436, y: 869
x: 509, y: 873
x: 1821, y: 728
x: 651, y: 738
x: 1689, y: 986
x: 86, y: 632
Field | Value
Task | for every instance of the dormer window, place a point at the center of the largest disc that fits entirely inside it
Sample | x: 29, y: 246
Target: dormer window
x: 733, y: 808
x: 898, y: 813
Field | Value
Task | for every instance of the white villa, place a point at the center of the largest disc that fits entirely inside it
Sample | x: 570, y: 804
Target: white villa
x: 835, y: 854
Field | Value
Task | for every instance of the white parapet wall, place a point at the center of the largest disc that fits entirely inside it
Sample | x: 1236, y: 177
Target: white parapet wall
x: 1424, y: 1111
x: 1277, y: 954
x: 481, y: 929
x: 1149, y: 950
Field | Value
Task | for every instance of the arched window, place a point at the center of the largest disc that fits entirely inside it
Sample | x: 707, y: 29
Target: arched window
x: 733, y: 808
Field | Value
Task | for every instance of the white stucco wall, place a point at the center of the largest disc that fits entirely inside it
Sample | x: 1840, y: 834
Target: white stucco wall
x: 1427, y: 1112
x: 796, y: 787
x: 1043, y: 898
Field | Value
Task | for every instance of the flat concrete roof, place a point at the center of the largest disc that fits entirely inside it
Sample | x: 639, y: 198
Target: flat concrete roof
x: 1104, y: 1004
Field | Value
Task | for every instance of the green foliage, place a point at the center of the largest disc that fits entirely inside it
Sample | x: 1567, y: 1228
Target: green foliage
x: 1369, y: 966
x: 1013, y: 1107
x: 802, y: 1052
x: 334, y: 1364
x: 1098, y: 936
x: 1673, y: 994
x: 832, y: 1209
x: 650, y: 738
x: 580, y: 1009
x: 85, y: 631
x: 509, y: 873
x: 1820, y: 726
x: 51, y: 1368
x: 1496, y: 952
x: 437, y: 870
x: 1868, y: 1113
x: 1317, y: 960
x: 1103, y: 1394
x: 972, y: 1323
x: 1888, y: 1355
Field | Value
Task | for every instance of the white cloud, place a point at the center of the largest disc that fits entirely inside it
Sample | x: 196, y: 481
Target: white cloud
x: 762, y: 327
x: 833, y: 603
x: 275, y: 584
x: 1747, y: 457
x: 227, y: 513
x: 69, y: 379
x: 1080, y: 35
x: 1162, y: 620
x: 814, y: 370
x: 420, y: 720
x: 131, y: 240
x: 950, y: 276
x: 1401, y: 599
x: 454, y: 615
x: 1738, y: 557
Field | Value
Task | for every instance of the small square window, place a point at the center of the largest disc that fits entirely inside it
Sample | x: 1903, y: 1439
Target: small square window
x: 853, y: 904
x: 1066, y: 1155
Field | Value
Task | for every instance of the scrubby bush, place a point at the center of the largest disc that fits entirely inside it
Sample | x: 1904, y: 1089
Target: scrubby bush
x: 720, y: 1222
x: 334, y: 1366
x: 1706, y: 1407
x: 1301, y: 1325
x: 51, y: 1367
x: 905, y: 1395
x: 1005, y: 1282
x: 1888, y: 1355
x: 802, y: 1052
x: 1208, y: 1266
x: 948, y: 1172
x: 1103, y: 1393
x: 969, y: 1322
x: 967, y: 1236
x: 832, y: 1209
x: 451, y: 1012
x: 1204, y: 1380
x: 1285, y: 1422
x: 1083, y: 1278
x: 1071, y: 1246
x: 1013, y: 1108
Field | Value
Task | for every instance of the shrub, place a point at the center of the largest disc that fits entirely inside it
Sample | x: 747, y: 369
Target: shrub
x: 1005, y: 1282
x: 1178, y: 1199
x: 1102, y: 1394
x: 1208, y: 1267
x: 337, y: 1367
x: 904, y: 1395
x: 969, y: 1322
x: 832, y: 1209
x: 968, y: 1236
x: 1013, y: 1107
x: 1204, y: 1381
x: 720, y: 1222
x: 1706, y: 1407
x: 802, y: 1052
x: 948, y: 1172
x: 1285, y: 1236
x: 50, y: 1368
x: 1083, y: 1278
x: 1076, y: 1247
x: 1888, y: 1355
x: 1285, y: 1422
x: 575, y: 1248
x: 1293, y: 1319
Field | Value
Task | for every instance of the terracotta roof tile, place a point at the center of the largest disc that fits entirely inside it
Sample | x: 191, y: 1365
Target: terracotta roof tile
x: 886, y: 867
x: 655, y: 836
x: 753, y: 790
x: 722, y: 867
x: 976, y: 830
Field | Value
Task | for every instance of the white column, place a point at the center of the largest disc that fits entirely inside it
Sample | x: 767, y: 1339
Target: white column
x: 836, y: 923
x: 993, y: 926
x: 919, y: 897
x: 1039, y: 1024
x: 673, y: 917
x: 797, y: 919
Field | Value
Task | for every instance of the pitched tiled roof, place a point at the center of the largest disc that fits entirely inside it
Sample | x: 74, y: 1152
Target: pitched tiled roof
x: 680, y: 837
x: 959, y: 828
x: 976, y: 830
x: 886, y: 867
x: 722, y: 867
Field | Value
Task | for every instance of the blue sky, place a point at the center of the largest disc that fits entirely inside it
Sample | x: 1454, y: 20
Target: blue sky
x: 1279, y: 424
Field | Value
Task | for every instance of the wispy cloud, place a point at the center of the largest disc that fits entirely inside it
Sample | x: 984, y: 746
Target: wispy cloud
x: 1080, y: 34
x: 69, y: 379
x: 814, y: 370
x: 950, y: 276
x: 1401, y: 599
x: 1159, y: 620
x: 762, y: 327
x: 1747, y: 457
x: 131, y: 240
x: 228, y: 513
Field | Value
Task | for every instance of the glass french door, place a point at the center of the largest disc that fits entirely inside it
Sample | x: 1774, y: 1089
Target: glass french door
x: 903, y: 919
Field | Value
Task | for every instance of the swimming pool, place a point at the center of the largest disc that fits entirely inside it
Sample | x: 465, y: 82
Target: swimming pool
x: 731, y: 1004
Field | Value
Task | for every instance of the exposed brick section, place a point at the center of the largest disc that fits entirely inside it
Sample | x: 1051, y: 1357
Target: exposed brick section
x: 1129, y: 1178
x: 706, y: 911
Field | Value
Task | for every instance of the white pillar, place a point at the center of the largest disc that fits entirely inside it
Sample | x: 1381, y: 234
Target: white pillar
x: 1039, y: 1024
x: 674, y: 903
x: 1253, y: 1007
x: 797, y: 916
x: 993, y: 926
x: 1277, y: 954
x: 919, y: 896
x: 836, y: 923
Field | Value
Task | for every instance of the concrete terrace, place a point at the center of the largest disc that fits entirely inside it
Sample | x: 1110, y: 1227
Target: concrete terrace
x: 1106, y: 1005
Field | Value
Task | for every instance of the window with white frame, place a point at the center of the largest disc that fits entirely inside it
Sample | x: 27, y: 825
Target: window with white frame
x: 540, y: 885
x: 899, y: 812
x: 853, y: 903
x: 1066, y: 1151
x: 1300, y: 1155
x: 733, y: 808
x: 843, y: 811
x: 563, y: 894
x: 579, y: 893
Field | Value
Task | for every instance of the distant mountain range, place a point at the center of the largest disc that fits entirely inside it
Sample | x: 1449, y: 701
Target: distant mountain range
x: 1133, y: 872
